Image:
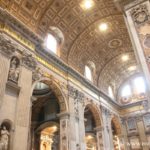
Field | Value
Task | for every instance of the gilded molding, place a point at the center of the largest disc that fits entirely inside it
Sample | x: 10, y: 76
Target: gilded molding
x: 17, y: 37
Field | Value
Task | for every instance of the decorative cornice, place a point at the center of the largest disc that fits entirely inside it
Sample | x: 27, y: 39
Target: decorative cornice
x: 18, y: 26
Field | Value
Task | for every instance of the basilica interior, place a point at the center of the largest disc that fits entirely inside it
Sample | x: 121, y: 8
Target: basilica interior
x: 74, y: 74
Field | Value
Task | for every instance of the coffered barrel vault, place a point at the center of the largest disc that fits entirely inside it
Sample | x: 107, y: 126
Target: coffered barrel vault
x: 83, y: 41
x: 74, y: 75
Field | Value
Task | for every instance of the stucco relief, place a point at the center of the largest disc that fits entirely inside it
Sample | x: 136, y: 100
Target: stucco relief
x: 140, y: 14
x: 6, y: 46
x: 29, y: 61
x: 37, y: 74
x: 77, y: 96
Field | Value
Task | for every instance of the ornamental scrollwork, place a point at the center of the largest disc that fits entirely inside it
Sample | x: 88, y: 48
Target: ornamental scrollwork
x: 140, y: 14
x: 37, y: 74
x: 77, y: 96
x: 6, y: 46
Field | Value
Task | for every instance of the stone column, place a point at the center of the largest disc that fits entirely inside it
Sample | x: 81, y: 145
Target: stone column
x: 23, y: 104
x: 141, y: 131
x: 107, y: 132
x: 64, y: 131
x: 76, y: 120
x: 6, y: 51
x: 124, y: 137
x: 109, y: 128
x: 81, y: 129
x: 99, y: 138
x: 137, y: 17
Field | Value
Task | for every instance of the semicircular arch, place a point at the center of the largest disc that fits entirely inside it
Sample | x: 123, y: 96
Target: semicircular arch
x: 55, y: 87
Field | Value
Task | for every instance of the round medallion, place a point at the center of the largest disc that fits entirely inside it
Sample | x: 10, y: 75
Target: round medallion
x: 147, y: 41
x: 141, y: 17
x: 115, y: 43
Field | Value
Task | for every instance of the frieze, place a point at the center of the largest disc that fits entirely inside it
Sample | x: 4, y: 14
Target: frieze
x: 140, y: 14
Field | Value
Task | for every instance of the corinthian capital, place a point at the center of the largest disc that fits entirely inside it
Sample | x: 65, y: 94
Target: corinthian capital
x: 37, y: 74
x: 29, y: 61
x: 6, y: 46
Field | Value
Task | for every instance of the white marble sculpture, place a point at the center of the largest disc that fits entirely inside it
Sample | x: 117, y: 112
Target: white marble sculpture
x: 4, y: 139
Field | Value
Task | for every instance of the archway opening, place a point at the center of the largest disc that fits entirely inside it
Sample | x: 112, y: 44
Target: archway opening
x: 45, y: 133
x: 90, y: 133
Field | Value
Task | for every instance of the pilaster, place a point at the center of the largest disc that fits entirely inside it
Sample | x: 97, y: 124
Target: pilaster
x: 76, y: 120
x: 100, y: 138
x: 64, y: 131
x: 23, y: 107
x: 123, y: 137
x: 108, y: 140
x: 141, y: 131
x: 6, y: 51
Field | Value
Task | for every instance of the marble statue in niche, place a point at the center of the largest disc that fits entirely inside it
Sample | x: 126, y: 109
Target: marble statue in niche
x: 14, y: 70
x: 4, y: 139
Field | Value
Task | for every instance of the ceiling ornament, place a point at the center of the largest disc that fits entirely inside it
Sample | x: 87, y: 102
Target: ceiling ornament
x: 140, y: 14
x: 115, y: 43
x: 147, y: 41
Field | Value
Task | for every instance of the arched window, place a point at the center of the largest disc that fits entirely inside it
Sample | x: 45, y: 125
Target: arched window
x: 88, y: 73
x: 51, y: 43
x: 134, y: 89
x: 54, y: 40
x: 139, y: 85
x: 126, y: 91
x: 110, y: 92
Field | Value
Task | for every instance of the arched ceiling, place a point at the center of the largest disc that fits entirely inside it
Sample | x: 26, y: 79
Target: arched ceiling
x: 83, y: 40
